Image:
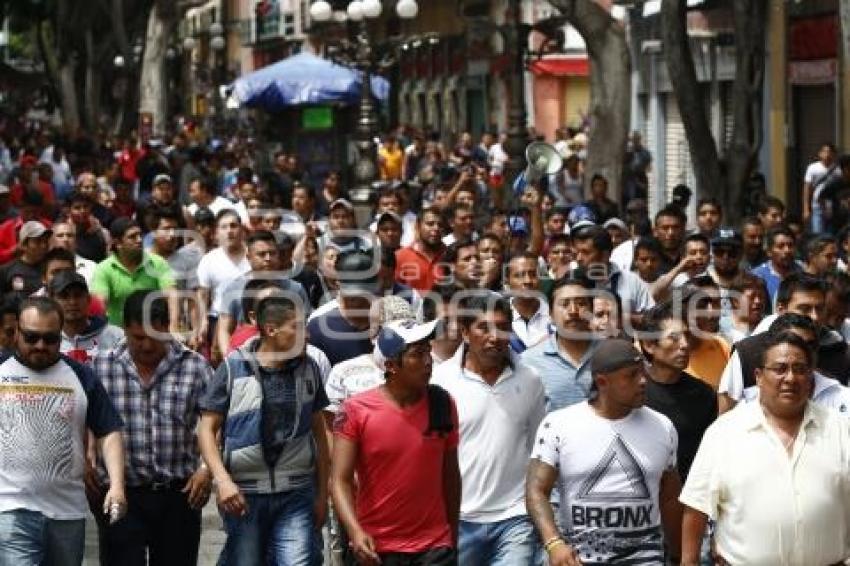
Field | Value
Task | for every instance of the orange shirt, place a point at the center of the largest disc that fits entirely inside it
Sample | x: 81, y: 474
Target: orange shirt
x: 416, y: 270
x: 708, y: 360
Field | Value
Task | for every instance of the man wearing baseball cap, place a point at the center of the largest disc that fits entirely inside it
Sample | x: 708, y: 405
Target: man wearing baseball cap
x: 725, y: 267
x: 23, y: 275
x: 401, y: 452
x: 615, y: 461
x: 83, y: 336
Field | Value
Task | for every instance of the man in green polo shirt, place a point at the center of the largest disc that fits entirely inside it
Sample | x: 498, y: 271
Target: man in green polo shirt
x: 127, y: 269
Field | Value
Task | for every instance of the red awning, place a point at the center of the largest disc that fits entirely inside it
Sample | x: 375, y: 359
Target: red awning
x: 562, y: 67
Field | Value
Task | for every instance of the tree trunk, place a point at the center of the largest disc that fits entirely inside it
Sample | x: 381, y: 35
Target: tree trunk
x: 683, y: 77
x: 68, y: 96
x: 610, y: 88
x: 750, y: 17
x: 153, y: 95
x: 92, y: 84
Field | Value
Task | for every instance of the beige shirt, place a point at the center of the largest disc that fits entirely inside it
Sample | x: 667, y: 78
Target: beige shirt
x: 772, y: 509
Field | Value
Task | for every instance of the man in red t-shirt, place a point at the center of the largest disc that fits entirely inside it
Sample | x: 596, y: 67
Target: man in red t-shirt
x: 418, y: 265
x: 408, y: 480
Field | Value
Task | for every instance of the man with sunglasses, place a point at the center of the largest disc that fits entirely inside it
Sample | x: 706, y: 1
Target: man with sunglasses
x: 772, y: 474
x: 47, y: 401
x: 726, y: 253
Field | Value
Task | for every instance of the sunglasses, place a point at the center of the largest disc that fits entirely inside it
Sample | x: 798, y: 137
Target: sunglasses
x: 32, y: 338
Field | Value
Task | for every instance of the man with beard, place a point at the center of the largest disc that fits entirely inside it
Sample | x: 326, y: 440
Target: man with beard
x: 419, y: 265
x: 49, y: 401
x: 670, y: 389
x: 752, y: 235
x: 529, y: 312
x: 128, y: 269
x: 780, y: 263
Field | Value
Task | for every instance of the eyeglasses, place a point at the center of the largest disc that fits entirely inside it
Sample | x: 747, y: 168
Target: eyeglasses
x: 784, y: 369
x: 32, y: 338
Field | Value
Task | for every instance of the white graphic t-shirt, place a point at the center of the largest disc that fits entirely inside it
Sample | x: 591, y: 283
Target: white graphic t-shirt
x: 609, y: 475
x: 351, y: 377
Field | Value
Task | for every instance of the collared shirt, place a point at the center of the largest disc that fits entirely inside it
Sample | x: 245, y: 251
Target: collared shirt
x: 534, y: 330
x: 113, y: 283
x: 771, y: 278
x: 415, y: 269
x: 160, y: 418
x: 771, y: 508
x: 565, y: 382
x: 827, y: 392
x: 498, y: 424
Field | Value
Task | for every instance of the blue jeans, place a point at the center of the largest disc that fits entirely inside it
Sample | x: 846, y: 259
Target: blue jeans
x: 510, y: 542
x: 277, y: 530
x: 28, y: 538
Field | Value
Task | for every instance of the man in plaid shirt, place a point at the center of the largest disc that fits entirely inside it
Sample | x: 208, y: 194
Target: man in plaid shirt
x: 155, y: 384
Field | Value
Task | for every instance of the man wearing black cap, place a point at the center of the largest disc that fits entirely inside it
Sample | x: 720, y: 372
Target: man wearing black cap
x: 343, y: 331
x: 82, y: 336
x: 615, y: 462
x: 725, y: 268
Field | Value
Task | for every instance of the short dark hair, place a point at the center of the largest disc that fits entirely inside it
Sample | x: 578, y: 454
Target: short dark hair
x: 703, y: 282
x: 672, y: 211
x: 520, y: 255
x: 789, y: 338
x: 161, y: 214
x: 477, y: 302
x: 597, y: 234
x: 789, y: 320
x: 838, y: 284
x: 798, y: 283
x: 252, y: 287
x: 260, y: 236
x: 441, y: 293
x: 227, y: 212
x: 775, y: 232
x: 206, y: 183
x: 649, y: 244
x: 816, y: 244
x: 426, y: 211
x: 598, y: 177
x: 574, y: 277
x: 769, y: 202
x: 77, y: 196
x: 453, y: 251
x: 157, y: 308
x: 654, y: 318
x: 58, y: 254
x: 559, y: 239
x: 711, y: 201
x: 751, y: 221
x: 43, y: 305
x: 697, y: 237
x: 274, y: 310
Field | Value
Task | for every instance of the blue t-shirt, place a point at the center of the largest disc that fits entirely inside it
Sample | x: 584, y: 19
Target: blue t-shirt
x: 337, y: 338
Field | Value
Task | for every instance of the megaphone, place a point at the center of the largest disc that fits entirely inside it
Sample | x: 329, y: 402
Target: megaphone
x: 543, y: 159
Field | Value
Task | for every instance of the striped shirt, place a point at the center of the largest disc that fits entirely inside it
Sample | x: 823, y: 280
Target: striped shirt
x: 160, y: 417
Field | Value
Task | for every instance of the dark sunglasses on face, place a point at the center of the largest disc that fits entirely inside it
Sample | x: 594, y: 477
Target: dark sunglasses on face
x: 32, y: 338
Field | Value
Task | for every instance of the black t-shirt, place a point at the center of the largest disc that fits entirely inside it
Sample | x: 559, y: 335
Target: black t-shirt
x: 337, y: 338
x: 20, y: 278
x: 691, y: 405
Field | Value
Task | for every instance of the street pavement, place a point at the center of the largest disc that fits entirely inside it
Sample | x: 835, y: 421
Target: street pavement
x: 212, y: 538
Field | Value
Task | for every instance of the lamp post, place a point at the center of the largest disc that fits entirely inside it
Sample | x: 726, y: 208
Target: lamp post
x: 361, y: 55
x: 517, y: 117
x: 217, y: 44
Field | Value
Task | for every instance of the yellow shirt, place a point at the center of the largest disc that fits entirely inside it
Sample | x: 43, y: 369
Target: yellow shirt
x: 391, y: 162
x: 772, y: 509
x: 708, y: 360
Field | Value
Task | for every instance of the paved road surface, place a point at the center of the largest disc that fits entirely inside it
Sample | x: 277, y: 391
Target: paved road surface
x: 212, y: 538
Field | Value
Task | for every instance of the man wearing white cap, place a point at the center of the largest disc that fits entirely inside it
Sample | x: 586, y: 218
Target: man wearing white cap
x: 23, y: 275
x: 401, y: 440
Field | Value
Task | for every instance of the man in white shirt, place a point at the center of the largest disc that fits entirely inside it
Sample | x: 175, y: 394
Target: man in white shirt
x: 817, y: 175
x: 529, y: 311
x: 202, y: 191
x: 65, y: 236
x: 500, y: 403
x: 216, y: 270
x: 774, y: 476
x: 614, y: 461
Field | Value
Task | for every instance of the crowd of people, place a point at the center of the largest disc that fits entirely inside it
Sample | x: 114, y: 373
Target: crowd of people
x: 565, y: 381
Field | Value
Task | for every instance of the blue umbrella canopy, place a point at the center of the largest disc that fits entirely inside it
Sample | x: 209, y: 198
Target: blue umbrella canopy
x: 303, y: 79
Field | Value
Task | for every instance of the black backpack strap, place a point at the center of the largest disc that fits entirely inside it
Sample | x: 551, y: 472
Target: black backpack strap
x: 439, y: 411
